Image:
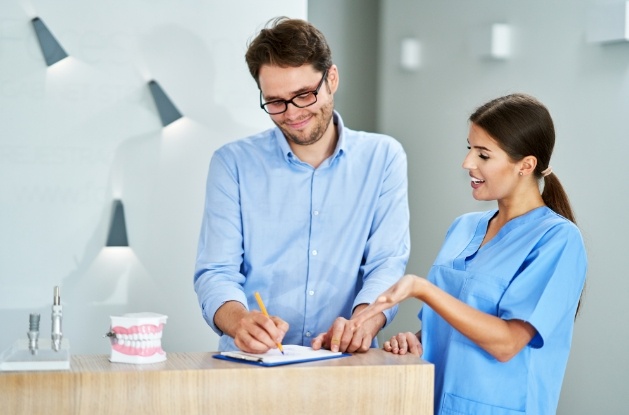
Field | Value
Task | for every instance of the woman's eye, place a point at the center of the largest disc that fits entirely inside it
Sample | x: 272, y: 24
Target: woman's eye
x: 481, y: 155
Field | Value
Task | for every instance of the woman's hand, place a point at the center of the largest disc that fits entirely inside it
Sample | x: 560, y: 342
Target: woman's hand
x: 403, y: 343
x: 406, y: 287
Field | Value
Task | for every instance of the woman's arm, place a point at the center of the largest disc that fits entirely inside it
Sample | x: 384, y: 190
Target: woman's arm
x: 503, y: 339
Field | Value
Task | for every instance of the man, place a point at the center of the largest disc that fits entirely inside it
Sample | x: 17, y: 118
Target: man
x: 310, y: 214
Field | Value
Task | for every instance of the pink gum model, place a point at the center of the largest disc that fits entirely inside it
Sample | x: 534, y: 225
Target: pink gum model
x: 137, y: 338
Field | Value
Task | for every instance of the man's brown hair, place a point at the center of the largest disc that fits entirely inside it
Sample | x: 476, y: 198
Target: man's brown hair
x: 288, y: 42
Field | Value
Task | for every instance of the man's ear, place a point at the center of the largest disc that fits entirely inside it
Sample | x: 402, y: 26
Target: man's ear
x: 333, y: 79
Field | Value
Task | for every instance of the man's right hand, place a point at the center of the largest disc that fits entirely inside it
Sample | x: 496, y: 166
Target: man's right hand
x: 253, y: 332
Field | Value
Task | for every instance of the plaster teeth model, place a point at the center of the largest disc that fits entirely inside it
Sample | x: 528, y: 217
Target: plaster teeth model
x: 137, y: 338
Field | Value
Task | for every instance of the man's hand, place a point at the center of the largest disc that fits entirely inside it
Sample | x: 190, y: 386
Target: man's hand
x: 253, y: 332
x: 344, y: 336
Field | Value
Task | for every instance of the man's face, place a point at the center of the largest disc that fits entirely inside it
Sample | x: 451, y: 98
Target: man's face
x: 301, y: 126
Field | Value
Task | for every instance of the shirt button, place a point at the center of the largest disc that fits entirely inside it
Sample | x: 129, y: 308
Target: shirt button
x: 316, y: 212
x: 311, y: 292
x: 314, y: 252
x: 308, y: 334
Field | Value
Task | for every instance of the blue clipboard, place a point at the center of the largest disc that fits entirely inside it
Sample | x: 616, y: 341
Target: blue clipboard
x: 278, y: 360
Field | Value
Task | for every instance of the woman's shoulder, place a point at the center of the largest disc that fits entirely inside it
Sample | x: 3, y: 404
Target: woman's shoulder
x: 550, y: 219
x: 557, y: 228
x: 545, y: 227
x: 473, y: 218
x: 469, y: 222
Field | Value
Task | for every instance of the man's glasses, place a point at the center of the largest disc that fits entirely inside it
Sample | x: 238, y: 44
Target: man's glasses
x: 303, y: 100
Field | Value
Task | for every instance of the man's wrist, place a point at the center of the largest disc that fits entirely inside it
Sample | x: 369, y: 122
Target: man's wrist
x: 377, y: 322
x: 227, y: 316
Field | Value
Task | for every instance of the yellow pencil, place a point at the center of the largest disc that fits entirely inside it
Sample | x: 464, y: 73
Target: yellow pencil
x: 263, y: 309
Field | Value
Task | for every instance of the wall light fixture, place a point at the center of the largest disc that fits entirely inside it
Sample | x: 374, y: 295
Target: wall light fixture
x: 168, y: 113
x: 608, y: 23
x: 410, y: 54
x: 50, y: 47
x: 117, y: 227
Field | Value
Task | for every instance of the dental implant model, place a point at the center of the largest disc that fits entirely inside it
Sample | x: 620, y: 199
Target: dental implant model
x: 35, y: 354
x: 33, y: 332
x: 55, y: 333
x: 137, y: 338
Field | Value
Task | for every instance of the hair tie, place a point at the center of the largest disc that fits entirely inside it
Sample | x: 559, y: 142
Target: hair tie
x: 547, y: 171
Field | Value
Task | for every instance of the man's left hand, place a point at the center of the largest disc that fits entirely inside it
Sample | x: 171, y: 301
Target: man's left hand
x: 344, y: 337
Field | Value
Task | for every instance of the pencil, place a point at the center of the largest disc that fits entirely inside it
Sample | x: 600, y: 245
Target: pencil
x: 263, y: 309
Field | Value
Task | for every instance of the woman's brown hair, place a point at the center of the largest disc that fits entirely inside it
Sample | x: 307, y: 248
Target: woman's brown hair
x: 522, y: 126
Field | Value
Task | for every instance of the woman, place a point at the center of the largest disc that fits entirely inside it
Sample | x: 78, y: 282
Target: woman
x: 501, y: 297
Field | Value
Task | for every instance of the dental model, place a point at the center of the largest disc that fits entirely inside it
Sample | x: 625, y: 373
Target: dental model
x: 137, y: 338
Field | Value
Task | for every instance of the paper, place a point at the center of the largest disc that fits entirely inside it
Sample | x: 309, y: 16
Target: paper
x: 292, y: 354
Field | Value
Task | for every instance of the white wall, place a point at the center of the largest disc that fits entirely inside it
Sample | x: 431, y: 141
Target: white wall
x: 586, y: 88
x: 85, y: 131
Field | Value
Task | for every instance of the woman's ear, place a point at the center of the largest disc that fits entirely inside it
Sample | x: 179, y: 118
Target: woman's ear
x: 528, y: 165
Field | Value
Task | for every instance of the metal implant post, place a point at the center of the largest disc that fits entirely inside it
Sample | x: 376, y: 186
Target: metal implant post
x: 33, y: 332
x: 55, y: 333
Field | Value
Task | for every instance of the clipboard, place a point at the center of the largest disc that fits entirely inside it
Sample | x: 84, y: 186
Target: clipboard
x: 292, y: 354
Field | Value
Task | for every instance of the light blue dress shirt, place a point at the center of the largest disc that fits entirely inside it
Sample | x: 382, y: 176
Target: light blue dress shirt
x: 532, y: 270
x: 314, y: 242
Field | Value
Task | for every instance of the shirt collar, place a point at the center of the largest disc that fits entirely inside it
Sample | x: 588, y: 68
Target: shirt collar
x: 340, y: 144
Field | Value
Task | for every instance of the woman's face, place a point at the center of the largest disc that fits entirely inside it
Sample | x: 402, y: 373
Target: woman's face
x: 494, y: 175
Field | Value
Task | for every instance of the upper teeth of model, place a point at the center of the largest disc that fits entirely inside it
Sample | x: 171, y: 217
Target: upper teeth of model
x: 139, y: 336
x: 475, y: 180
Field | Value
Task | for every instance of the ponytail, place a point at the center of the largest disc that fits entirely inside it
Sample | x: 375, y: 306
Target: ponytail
x: 555, y: 197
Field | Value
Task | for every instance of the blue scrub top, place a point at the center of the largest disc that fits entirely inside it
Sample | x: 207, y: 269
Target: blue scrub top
x: 532, y: 270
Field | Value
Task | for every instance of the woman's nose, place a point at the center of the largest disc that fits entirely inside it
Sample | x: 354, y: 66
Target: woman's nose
x: 468, y: 162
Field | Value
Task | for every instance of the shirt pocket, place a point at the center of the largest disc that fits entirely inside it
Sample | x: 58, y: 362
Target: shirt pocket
x: 483, y: 293
x: 456, y: 405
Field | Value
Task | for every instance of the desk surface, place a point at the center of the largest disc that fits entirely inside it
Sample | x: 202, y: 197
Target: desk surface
x: 375, y: 382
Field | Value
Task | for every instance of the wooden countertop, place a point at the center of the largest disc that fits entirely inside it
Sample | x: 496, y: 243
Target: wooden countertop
x: 375, y: 382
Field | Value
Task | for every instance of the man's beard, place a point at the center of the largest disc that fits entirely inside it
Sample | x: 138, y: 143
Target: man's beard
x: 322, y: 120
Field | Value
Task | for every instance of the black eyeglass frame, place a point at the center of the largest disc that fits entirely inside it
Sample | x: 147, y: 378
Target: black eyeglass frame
x: 315, y: 92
